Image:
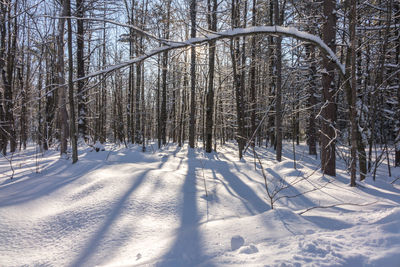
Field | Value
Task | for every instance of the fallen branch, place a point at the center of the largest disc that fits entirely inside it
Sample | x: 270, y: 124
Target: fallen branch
x: 336, y: 205
x: 395, y: 180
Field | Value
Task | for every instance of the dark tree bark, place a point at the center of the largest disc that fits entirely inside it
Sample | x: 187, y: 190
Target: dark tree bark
x: 103, y: 92
x: 351, y: 54
x: 23, y: 117
x: 312, y: 101
x: 396, y: 9
x: 3, y: 33
x: 63, y: 115
x: 164, y: 79
x: 175, y: 85
x: 80, y: 69
x: 131, y: 78
x: 278, y: 99
x: 138, y: 132
x: 182, y: 124
x: 192, y: 122
x: 328, y: 138
x: 271, y: 85
x: 72, y: 128
x: 51, y: 97
x: 159, y: 123
x: 237, y: 80
x: 253, y: 104
x: 40, y: 130
x: 212, y: 26
x: 11, y: 30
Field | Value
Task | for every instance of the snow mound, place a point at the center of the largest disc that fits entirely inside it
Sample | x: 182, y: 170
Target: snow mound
x: 251, y: 249
x: 98, y: 146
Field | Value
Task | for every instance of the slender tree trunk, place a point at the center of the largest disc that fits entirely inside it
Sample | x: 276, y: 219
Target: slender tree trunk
x: 8, y: 76
x: 396, y: 8
x: 103, y: 98
x: 40, y: 130
x: 192, y: 122
x: 72, y: 128
x: 181, y: 136
x: 271, y: 85
x: 63, y: 115
x: 138, y: 134
x: 352, y: 69
x: 80, y: 69
x: 237, y: 80
x: 23, y: 116
x: 278, y: 101
x: 253, y: 104
x: 212, y: 25
x: 159, y: 123
x: 174, y: 113
x: 51, y: 97
x: 312, y: 101
x: 3, y: 33
x: 396, y: 11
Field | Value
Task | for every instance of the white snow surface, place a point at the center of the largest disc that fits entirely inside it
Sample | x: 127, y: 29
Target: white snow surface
x: 123, y: 207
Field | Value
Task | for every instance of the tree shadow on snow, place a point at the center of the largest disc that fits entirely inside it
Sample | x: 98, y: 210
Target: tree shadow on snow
x: 50, y: 180
x: 238, y: 188
x: 187, y: 248
x: 92, y: 245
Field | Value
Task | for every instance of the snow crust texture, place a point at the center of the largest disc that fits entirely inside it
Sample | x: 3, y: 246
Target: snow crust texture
x: 182, y: 207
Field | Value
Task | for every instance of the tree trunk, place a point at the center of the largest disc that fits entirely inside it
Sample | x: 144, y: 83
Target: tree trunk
x: 351, y: 53
x: 63, y: 116
x: 159, y: 123
x: 164, y: 116
x: 278, y: 100
x: 51, y: 97
x: 103, y: 97
x: 40, y: 131
x: 271, y: 85
x: 80, y: 69
x: 328, y: 135
x: 396, y: 7
x: 23, y: 86
x: 8, y: 75
x: 253, y: 104
x: 138, y: 133
x: 212, y: 26
x: 237, y: 81
x: 192, y: 122
x: 73, y: 134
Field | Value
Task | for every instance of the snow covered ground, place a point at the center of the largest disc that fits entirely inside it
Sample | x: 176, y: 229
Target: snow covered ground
x: 182, y: 207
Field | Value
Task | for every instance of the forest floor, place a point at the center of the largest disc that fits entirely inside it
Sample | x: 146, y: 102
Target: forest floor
x: 183, y: 207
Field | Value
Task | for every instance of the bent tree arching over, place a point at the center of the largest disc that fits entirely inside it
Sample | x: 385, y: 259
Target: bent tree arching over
x: 168, y: 45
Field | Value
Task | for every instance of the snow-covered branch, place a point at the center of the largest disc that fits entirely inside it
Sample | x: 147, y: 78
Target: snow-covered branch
x: 276, y: 30
x: 124, y: 25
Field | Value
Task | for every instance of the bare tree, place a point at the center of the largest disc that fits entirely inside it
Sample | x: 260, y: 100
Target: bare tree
x: 192, y: 122
x: 212, y: 26
x: 62, y: 104
x: 328, y: 120
x: 80, y: 66
x: 72, y: 128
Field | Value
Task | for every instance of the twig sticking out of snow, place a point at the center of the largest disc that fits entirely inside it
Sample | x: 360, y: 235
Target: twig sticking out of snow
x: 10, y: 162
